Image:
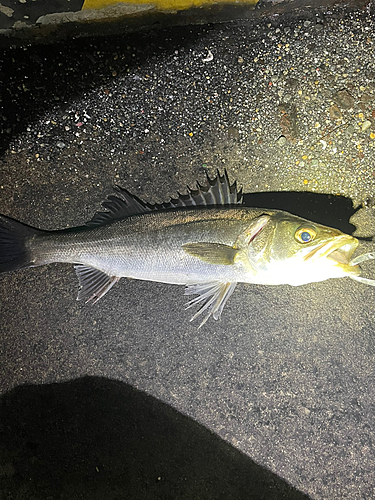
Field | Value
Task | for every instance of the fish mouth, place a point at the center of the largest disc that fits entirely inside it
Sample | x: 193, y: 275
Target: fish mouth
x: 339, y: 250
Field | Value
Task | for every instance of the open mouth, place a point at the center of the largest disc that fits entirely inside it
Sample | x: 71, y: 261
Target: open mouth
x: 343, y: 254
x: 340, y: 251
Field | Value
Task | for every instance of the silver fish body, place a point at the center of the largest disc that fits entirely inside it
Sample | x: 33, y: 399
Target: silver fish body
x: 150, y: 246
x: 205, y: 240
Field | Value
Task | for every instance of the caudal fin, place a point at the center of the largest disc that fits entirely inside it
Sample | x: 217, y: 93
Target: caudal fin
x: 14, y: 253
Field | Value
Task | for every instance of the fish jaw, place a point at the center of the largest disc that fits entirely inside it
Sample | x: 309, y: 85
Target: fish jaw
x: 337, y: 254
x: 327, y: 260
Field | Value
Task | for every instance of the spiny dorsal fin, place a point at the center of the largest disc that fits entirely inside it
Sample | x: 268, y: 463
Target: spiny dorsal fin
x: 216, y: 192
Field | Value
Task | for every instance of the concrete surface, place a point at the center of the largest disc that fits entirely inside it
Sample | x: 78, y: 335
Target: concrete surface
x: 23, y: 22
x: 277, y: 397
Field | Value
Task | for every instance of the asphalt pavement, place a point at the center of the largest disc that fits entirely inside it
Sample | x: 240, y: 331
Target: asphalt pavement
x: 127, y: 398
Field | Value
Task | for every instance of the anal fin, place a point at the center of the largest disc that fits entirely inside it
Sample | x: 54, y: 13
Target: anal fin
x: 213, y: 297
x: 94, y: 283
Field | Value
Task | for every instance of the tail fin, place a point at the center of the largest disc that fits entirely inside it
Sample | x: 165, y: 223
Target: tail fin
x: 14, y: 253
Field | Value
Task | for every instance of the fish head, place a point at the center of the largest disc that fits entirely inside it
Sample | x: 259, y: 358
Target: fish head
x: 291, y: 250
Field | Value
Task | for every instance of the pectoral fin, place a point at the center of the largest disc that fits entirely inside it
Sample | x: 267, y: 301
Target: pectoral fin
x: 212, y: 295
x: 213, y: 253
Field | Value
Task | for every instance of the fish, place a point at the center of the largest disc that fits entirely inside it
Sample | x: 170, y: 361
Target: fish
x: 205, y: 239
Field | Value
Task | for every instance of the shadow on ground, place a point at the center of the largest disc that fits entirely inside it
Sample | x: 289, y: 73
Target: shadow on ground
x: 326, y: 209
x: 98, y: 438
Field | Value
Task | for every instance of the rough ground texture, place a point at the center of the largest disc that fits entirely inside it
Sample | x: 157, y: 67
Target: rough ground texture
x: 26, y: 22
x: 285, y: 381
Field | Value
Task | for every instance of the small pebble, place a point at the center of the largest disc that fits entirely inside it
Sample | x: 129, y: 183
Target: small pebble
x: 233, y: 133
x: 349, y: 130
x: 281, y: 141
x: 365, y: 125
x: 335, y: 113
x: 344, y: 99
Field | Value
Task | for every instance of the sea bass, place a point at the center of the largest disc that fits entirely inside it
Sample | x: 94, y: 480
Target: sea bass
x: 206, y: 240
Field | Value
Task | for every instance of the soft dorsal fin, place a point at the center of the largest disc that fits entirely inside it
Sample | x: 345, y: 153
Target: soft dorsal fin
x: 119, y: 207
x: 216, y: 192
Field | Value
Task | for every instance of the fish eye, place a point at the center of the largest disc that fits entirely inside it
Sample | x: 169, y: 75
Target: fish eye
x: 305, y: 234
